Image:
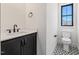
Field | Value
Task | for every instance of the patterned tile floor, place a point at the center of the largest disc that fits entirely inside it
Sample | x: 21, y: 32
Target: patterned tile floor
x: 59, y: 50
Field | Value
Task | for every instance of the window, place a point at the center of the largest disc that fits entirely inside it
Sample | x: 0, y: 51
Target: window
x: 67, y: 15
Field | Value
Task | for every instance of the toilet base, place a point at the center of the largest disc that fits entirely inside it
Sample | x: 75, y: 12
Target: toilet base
x: 66, y: 47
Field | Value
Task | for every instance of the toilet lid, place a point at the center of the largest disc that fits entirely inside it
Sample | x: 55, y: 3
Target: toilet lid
x: 66, y: 39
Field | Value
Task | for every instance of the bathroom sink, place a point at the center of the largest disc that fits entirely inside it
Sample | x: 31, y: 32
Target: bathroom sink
x: 15, y: 33
x: 5, y: 36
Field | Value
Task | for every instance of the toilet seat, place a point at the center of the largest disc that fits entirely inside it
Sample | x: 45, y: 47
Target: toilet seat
x: 66, y: 40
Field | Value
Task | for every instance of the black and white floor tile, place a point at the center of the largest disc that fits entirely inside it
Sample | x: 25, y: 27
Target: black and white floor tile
x: 59, y: 50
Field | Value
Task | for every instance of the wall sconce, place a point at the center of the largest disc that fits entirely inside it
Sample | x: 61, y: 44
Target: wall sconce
x: 30, y: 14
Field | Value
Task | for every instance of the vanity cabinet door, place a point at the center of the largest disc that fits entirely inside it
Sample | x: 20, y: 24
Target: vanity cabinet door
x: 3, y: 48
x: 11, y: 47
x: 30, y: 45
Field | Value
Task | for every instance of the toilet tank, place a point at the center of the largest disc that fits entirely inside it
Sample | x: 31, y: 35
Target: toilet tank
x: 66, y: 34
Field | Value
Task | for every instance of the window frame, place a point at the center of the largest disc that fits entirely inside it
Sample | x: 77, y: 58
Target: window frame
x: 66, y: 15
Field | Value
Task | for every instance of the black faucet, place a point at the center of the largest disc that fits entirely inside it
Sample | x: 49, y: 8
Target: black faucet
x: 14, y: 27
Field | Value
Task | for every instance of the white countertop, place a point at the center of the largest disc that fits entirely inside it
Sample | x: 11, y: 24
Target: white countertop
x: 8, y: 36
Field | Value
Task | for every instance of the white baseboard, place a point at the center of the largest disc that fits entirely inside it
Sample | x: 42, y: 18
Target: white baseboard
x: 78, y: 47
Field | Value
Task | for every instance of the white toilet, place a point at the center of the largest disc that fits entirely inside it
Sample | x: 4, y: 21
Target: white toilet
x: 66, y: 40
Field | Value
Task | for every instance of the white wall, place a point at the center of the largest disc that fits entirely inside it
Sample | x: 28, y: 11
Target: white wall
x: 78, y: 24
x: 0, y: 28
x: 12, y: 13
x: 72, y: 29
x: 38, y: 22
x: 51, y: 27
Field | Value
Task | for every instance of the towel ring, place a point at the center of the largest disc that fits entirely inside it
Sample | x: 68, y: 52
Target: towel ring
x: 30, y: 14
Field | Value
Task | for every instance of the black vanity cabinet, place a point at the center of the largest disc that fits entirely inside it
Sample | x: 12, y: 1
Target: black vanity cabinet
x: 24, y: 45
x: 30, y: 45
x: 10, y: 47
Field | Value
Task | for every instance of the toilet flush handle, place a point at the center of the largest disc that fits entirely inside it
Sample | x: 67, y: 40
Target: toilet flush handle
x: 55, y: 35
